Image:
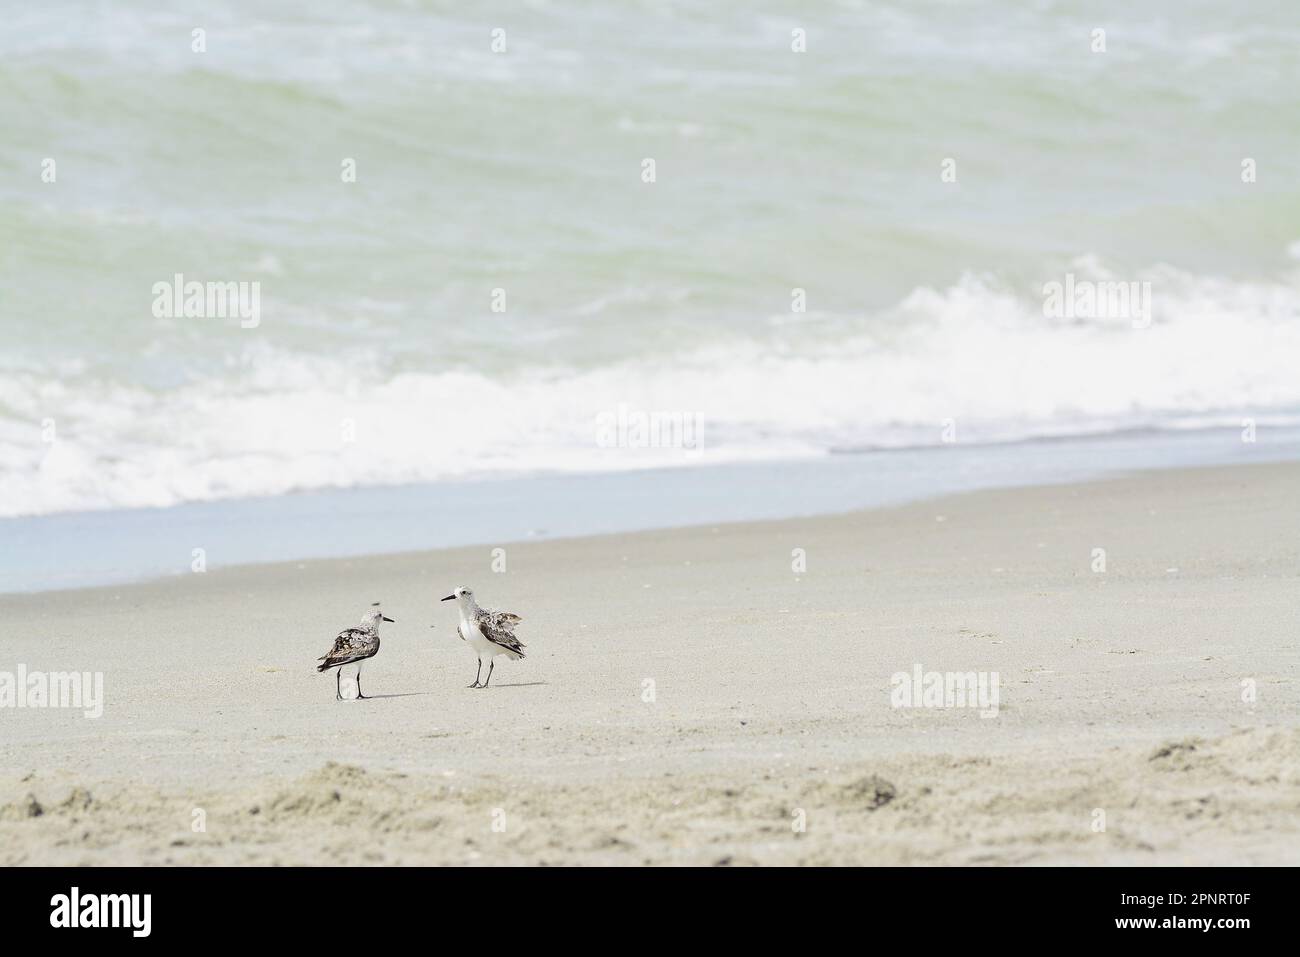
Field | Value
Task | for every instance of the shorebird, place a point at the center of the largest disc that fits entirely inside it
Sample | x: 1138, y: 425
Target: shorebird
x: 353, y: 646
x: 489, y: 633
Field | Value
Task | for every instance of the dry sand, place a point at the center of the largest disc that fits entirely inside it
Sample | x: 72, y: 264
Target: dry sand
x: 1121, y: 692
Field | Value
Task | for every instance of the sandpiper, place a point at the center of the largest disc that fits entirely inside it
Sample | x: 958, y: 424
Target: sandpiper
x: 489, y: 633
x: 353, y: 646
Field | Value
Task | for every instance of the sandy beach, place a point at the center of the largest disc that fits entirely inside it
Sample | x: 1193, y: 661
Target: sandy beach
x: 699, y: 696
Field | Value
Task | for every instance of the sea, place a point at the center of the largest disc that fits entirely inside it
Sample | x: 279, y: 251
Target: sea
x: 298, y: 279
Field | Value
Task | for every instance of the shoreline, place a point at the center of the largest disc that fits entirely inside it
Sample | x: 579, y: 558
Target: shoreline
x: 85, y: 549
x: 769, y: 693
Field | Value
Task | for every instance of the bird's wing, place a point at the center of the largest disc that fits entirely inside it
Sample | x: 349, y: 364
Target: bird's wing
x: 351, y: 645
x: 496, y: 627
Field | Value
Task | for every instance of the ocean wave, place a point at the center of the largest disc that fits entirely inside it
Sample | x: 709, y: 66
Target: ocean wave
x: 975, y: 362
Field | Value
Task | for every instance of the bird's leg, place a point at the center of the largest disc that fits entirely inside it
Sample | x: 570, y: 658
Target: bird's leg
x: 338, y: 685
x: 359, y: 694
x: 491, y: 664
x: 477, y: 673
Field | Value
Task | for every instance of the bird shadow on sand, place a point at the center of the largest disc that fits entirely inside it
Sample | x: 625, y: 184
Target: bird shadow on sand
x: 402, y: 694
x: 518, y: 684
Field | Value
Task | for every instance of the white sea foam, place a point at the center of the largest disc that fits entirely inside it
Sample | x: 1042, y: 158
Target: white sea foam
x: 976, y: 354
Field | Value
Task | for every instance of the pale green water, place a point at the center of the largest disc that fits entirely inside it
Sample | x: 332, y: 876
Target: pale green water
x: 521, y: 170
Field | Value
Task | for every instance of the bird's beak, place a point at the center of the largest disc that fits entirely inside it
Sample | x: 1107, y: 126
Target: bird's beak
x: 448, y: 598
x: 386, y: 618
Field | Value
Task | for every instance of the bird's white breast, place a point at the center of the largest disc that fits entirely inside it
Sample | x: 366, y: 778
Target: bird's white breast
x: 474, y: 635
